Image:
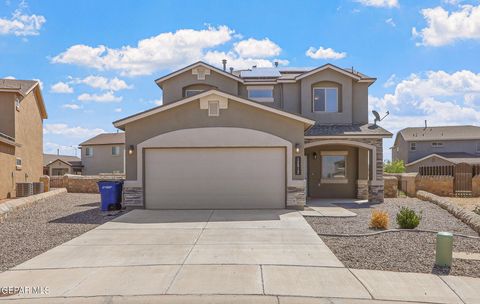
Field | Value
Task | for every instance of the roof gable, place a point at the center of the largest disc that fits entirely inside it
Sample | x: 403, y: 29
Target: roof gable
x: 468, y: 132
x: 357, y: 76
x: 105, y: 139
x: 23, y: 88
x: 122, y: 122
x: 160, y: 80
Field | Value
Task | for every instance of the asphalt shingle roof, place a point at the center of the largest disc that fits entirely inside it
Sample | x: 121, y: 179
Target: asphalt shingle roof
x: 23, y: 86
x: 441, y: 133
x: 49, y: 158
x: 105, y: 139
x: 347, y: 130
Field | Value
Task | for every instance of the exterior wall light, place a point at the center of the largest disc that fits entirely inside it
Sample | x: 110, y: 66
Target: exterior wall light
x: 131, y: 148
x: 297, y: 148
x: 314, y: 155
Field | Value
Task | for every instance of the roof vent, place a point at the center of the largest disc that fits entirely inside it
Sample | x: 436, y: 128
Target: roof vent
x: 276, y: 64
x: 254, y: 66
x: 231, y: 70
x: 224, y: 63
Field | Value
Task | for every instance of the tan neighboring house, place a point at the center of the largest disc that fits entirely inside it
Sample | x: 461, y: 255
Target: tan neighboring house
x: 256, y: 138
x: 104, y: 153
x: 22, y: 111
x: 437, y: 146
x: 56, y: 165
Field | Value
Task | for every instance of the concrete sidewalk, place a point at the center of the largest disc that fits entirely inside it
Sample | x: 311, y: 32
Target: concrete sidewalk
x: 217, y: 256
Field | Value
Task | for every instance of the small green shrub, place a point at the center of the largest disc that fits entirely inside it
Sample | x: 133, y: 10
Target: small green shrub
x: 408, y: 219
x: 379, y: 219
x: 396, y: 166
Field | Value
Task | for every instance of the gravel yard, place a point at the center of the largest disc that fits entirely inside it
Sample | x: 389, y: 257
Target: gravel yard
x: 47, y: 224
x: 468, y: 203
x: 397, y: 251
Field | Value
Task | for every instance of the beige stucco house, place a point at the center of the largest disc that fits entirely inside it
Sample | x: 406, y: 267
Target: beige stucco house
x: 22, y: 111
x: 104, y: 154
x: 257, y: 138
x: 56, y: 165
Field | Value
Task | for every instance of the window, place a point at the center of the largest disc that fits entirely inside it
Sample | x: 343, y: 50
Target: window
x: 478, y: 147
x: 116, y: 151
x: 413, y: 146
x: 258, y: 93
x: 325, y: 100
x: 18, y: 163
x: 213, y: 108
x: 89, y: 151
x: 189, y: 93
x: 334, y: 166
x: 437, y: 144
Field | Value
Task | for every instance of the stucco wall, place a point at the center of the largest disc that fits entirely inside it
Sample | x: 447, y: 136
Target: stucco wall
x: 7, y: 114
x: 344, y: 82
x: 360, y: 102
x: 102, y: 160
x: 190, y: 115
x: 7, y: 169
x: 173, y: 88
x: 432, y: 161
x: 424, y: 148
x: 439, y: 185
x: 59, y: 165
x: 29, y: 134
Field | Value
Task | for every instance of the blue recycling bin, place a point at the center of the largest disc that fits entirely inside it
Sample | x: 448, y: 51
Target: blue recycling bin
x: 111, y: 194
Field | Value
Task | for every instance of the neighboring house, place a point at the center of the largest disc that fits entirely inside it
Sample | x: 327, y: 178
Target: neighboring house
x: 22, y: 111
x: 104, y: 153
x: 436, y: 146
x: 55, y: 165
x: 258, y: 138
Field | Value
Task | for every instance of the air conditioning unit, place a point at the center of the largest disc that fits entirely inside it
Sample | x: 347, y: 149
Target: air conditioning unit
x: 38, y: 187
x: 24, y: 189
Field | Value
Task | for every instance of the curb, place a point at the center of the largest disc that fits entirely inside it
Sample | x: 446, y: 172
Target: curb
x: 23, y: 202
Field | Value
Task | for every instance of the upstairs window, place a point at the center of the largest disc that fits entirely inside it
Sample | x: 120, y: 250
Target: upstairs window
x: 437, y: 144
x: 478, y: 148
x: 88, y: 151
x: 325, y: 100
x: 189, y: 93
x: 116, y: 151
x: 413, y: 146
x: 263, y: 94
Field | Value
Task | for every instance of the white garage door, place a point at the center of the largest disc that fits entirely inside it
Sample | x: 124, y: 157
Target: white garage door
x: 215, y: 178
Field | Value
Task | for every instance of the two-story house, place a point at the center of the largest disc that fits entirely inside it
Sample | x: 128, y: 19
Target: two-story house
x: 103, y: 154
x: 257, y: 138
x: 436, y: 146
x: 22, y: 112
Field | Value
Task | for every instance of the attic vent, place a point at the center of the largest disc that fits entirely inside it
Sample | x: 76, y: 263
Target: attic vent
x: 213, y: 108
x: 201, y: 72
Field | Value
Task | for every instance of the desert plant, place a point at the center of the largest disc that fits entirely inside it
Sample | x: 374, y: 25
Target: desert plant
x: 407, y: 218
x: 397, y: 166
x: 379, y: 219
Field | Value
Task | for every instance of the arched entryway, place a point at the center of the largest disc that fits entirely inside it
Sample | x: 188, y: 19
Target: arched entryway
x: 340, y: 168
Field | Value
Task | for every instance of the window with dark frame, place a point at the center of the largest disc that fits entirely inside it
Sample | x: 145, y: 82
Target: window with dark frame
x: 325, y: 100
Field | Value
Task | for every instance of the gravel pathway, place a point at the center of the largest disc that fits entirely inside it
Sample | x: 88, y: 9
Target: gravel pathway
x: 47, y: 224
x: 398, y: 251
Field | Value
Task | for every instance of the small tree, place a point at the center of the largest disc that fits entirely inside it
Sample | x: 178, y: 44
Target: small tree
x: 396, y: 166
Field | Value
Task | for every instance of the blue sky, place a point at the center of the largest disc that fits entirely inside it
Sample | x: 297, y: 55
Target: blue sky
x: 97, y: 60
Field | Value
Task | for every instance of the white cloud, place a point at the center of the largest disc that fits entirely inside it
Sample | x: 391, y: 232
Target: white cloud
x: 39, y: 82
x: 53, y: 148
x: 390, y: 81
x: 444, y: 27
x: 253, y: 48
x: 61, y: 87
x: 164, y: 51
x: 157, y: 102
x: 66, y: 130
x: 102, y: 98
x: 118, y: 110
x: 103, y: 83
x: 379, y: 3
x: 20, y: 24
x: 324, y: 53
x: 390, y: 22
x: 437, y: 96
x: 233, y: 60
x: 72, y: 106
x: 9, y: 77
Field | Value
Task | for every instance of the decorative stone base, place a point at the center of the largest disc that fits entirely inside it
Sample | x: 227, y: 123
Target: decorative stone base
x: 376, y: 192
x: 132, y: 196
x: 362, y: 189
x: 296, y: 195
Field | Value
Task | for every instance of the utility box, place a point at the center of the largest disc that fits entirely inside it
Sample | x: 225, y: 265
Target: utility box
x: 444, y: 249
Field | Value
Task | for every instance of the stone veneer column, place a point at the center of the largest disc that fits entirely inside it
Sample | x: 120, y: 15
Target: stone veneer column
x: 296, y: 197
x: 132, y: 196
x: 362, y: 189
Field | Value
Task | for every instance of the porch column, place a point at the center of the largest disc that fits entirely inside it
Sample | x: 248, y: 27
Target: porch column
x: 363, y: 173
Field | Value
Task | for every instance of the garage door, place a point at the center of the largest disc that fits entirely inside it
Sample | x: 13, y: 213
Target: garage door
x: 215, y: 178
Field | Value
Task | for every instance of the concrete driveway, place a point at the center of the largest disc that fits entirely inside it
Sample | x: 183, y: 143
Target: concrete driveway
x: 206, y: 256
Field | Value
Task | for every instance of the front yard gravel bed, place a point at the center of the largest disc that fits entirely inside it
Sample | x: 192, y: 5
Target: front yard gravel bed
x: 27, y: 233
x: 404, y: 251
